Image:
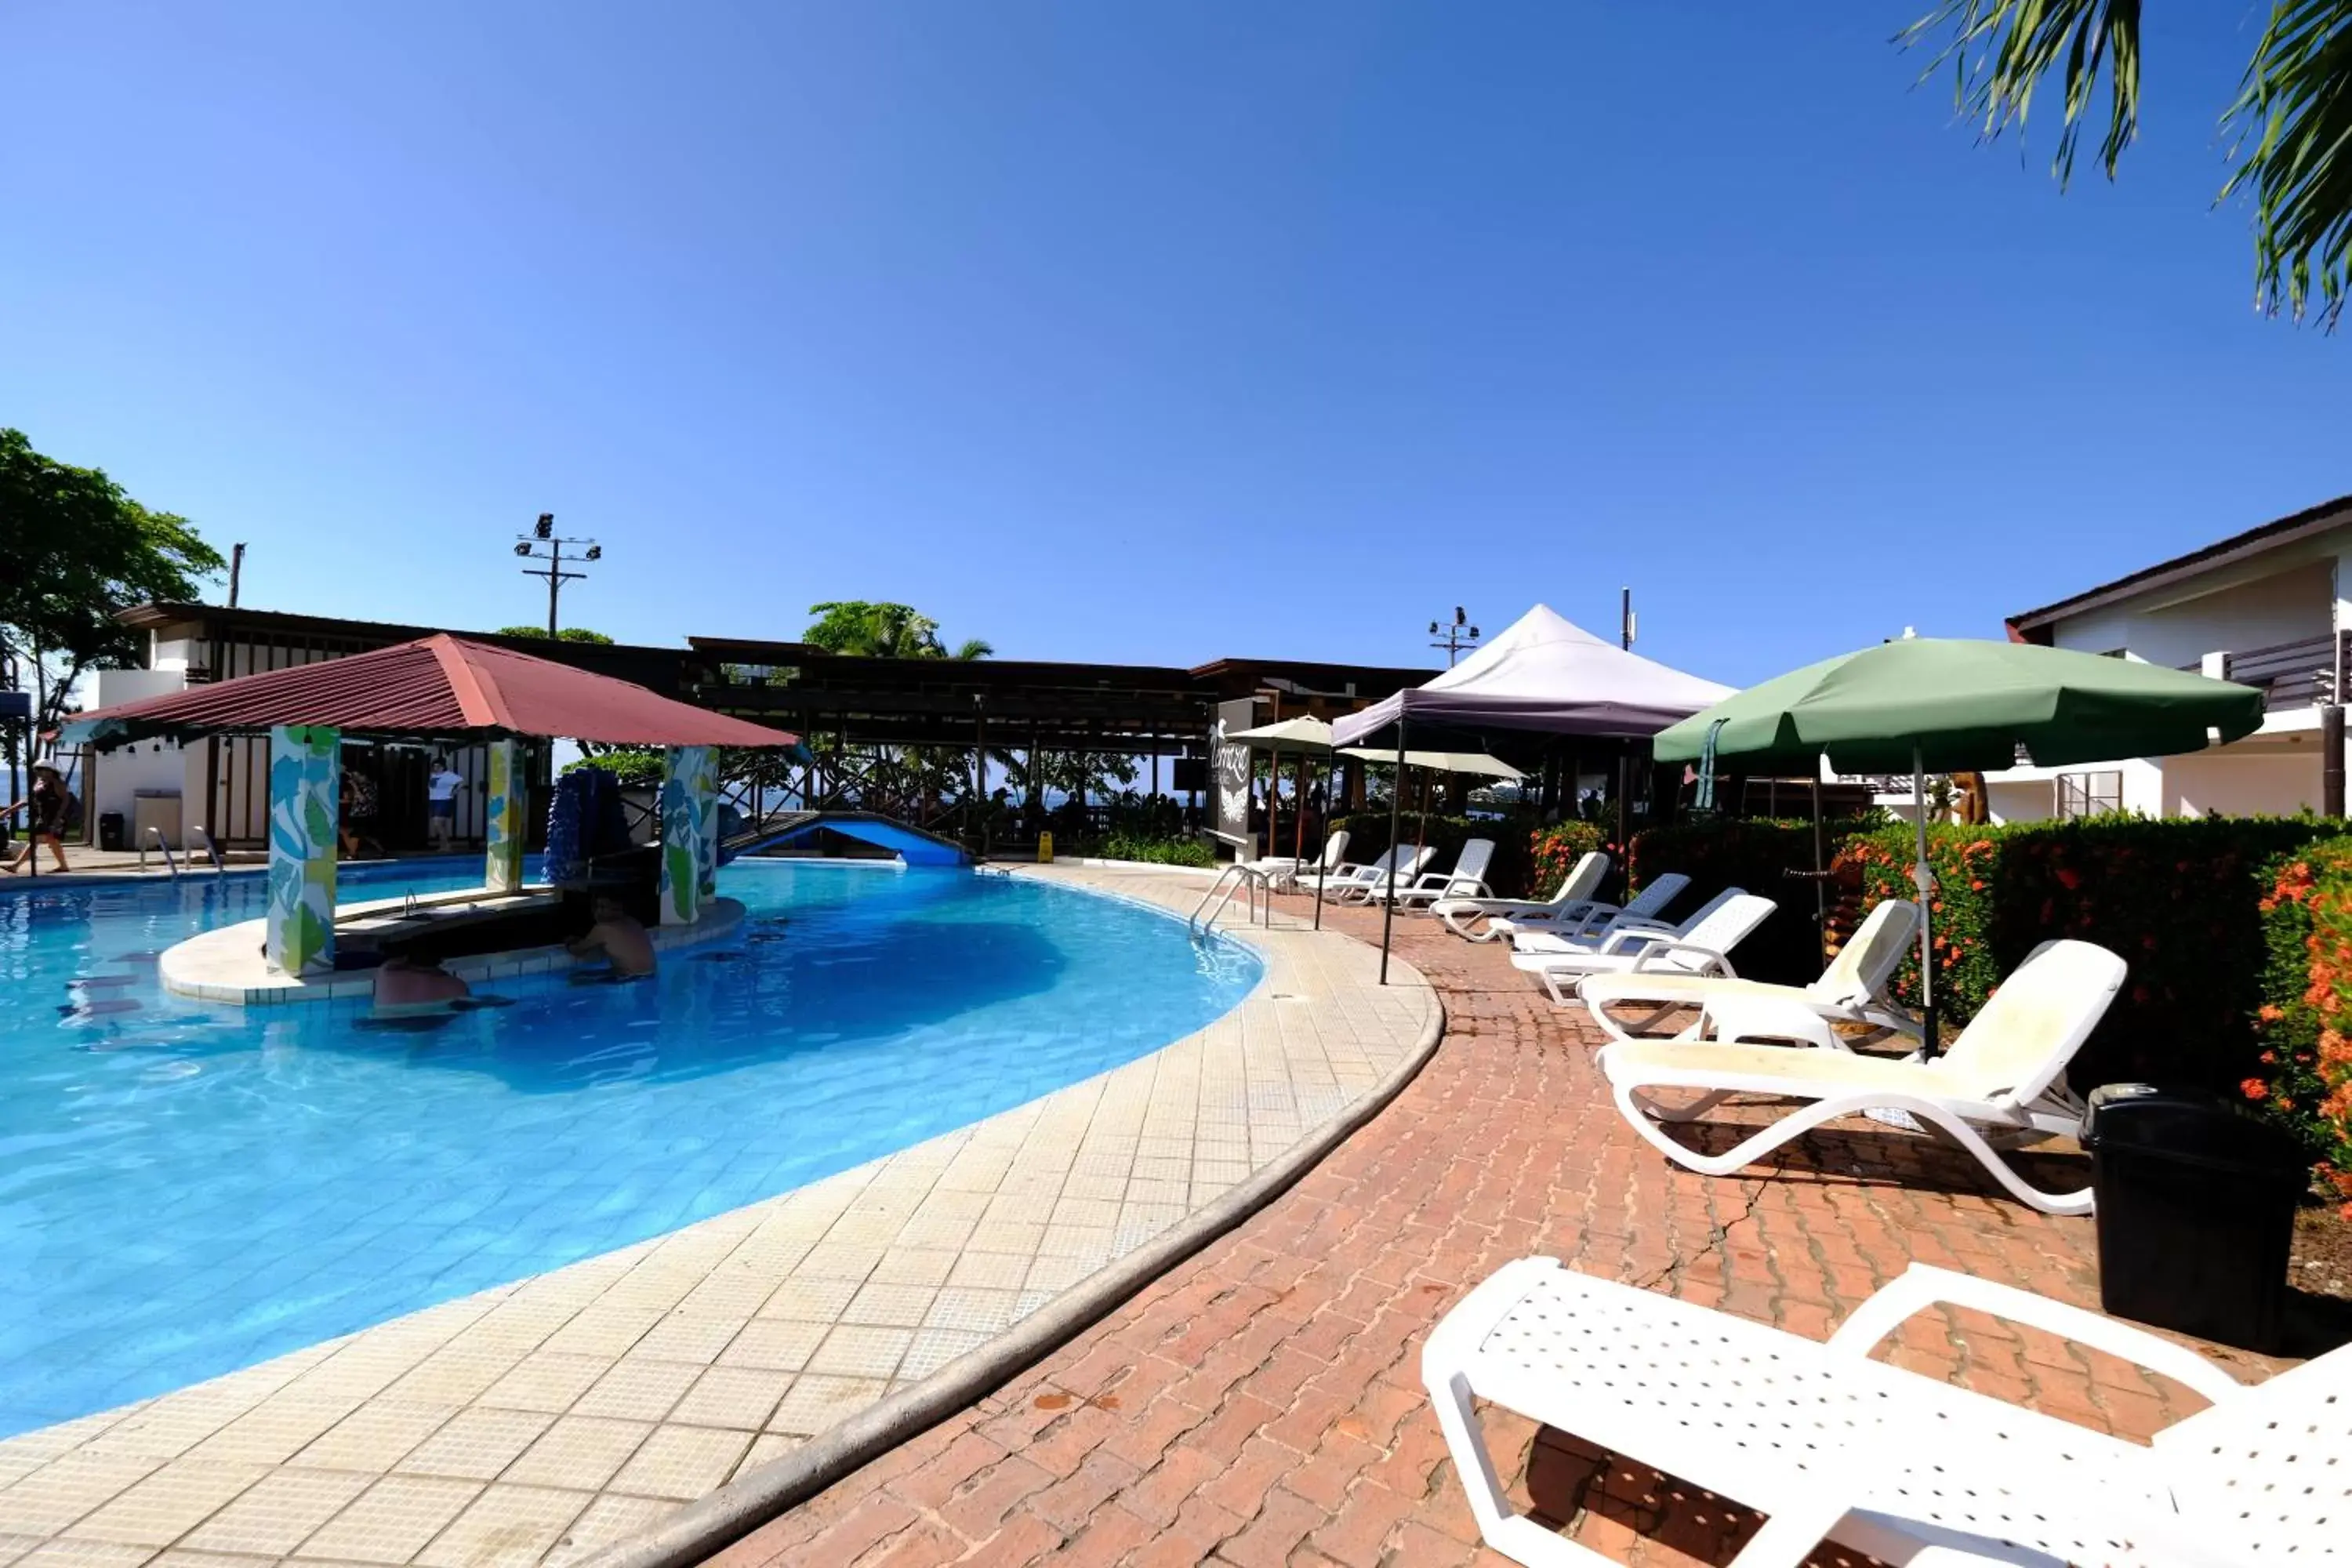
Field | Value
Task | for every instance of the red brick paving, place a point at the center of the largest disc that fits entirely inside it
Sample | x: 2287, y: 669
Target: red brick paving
x: 1262, y: 1403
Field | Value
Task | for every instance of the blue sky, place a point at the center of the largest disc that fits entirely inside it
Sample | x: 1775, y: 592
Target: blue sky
x: 1148, y: 331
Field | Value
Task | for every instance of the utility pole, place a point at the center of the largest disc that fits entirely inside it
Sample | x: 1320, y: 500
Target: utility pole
x: 1457, y: 635
x: 236, y: 572
x: 1625, y: 618
x: 543, y: 532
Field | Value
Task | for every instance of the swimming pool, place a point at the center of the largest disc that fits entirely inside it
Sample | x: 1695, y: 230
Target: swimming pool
x: 188, y: 1188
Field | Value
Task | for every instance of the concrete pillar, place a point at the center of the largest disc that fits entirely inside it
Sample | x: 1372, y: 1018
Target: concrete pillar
x: 503, y: 832
x: 688, y: 829
x: 306, y: 782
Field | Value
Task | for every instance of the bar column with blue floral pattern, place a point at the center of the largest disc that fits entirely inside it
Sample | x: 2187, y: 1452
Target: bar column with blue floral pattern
x: 305, y: 800
x: 688, y: 817
x: 502, y: 825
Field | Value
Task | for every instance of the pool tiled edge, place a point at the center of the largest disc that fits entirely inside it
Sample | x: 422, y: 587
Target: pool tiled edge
x: 553, y: 1417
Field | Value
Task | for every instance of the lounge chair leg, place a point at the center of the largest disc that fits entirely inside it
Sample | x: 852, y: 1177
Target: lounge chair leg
x: 2017, y: 1186
x: 1520, y: 1539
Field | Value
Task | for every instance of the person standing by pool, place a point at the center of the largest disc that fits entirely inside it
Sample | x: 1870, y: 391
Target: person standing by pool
x: 441, y: 803
x: 47, y: 808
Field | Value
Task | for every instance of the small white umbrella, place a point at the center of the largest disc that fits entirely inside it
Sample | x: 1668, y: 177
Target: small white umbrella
x: 1309, y: 737
x: 1441, y: 761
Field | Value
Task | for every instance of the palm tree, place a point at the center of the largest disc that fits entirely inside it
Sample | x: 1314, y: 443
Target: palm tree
x: 2291, y: 123
x: 878, y: 629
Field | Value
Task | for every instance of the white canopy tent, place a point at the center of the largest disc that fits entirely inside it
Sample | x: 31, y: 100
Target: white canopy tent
x: 1544, y: 674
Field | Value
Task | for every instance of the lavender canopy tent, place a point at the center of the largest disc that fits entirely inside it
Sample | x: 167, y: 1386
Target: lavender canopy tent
x: 1544, y: 674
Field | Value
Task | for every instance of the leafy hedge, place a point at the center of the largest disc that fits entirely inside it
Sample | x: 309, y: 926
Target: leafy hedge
x: 634, y: 766
x: 2178, y: 899
x: 1153, y: 850
x: 2303, y: 1075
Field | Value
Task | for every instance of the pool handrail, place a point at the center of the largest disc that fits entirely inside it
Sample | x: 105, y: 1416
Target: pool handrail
x: 1254, y: 886
x: 220, y: 867
x: 156, y: 833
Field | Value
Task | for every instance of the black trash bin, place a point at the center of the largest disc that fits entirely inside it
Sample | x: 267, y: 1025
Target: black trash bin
x: 2196, y: 1209
x: 109, y: 830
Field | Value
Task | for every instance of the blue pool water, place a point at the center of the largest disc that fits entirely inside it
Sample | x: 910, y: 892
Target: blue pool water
x: 185, y: 1189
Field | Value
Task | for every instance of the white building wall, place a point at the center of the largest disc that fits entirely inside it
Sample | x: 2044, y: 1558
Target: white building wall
x: 112, y: 780
x: 2283, y: 608
x: 2243, y: 783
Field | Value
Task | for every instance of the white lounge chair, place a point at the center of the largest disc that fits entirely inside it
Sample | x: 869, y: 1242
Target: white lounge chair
x: 2006, y: 1072
x: 1286, y: 871
x: 1467, y: 879
x: 1701, y: 946
x: 1589, y: 919
x: 1474, y: 918
x: 1852, y: 990
x: 1903, y: 1467
x: 1351, y: 883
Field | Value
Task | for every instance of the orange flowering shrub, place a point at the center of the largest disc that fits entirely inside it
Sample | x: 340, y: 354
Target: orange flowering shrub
x: 2181, y: 899
x: 1553, y: 852
x: 2304, y: 1019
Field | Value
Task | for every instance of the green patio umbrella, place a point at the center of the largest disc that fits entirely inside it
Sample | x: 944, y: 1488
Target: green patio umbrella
x: 1954, y: 705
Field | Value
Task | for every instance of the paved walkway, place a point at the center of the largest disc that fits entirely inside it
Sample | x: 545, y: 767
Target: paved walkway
x: 1261, y: 1404
x: 553, y: 1416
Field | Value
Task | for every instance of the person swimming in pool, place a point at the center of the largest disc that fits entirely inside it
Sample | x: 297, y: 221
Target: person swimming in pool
x: 402, y: 982
x: 624, y: 942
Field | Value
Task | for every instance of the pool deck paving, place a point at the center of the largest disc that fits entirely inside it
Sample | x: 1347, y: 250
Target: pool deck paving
x: 1261, y: 1404
x: 548, y: 1419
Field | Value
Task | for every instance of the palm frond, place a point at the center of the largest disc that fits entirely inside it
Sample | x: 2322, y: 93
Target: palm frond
x: 2293, y: 124
x: 1999, y: 51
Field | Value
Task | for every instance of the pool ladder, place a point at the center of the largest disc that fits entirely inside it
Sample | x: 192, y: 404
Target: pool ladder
x: 1255, y: 887
x: 220, y: 866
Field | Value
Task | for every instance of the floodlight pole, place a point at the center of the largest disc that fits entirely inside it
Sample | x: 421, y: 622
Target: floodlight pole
x: 526, y: 546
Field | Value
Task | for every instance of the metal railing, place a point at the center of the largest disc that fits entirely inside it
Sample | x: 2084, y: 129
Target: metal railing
x: 1254, y: 886
x: 220, y: 867
x: 157, y: 835
x: 2299, y: 674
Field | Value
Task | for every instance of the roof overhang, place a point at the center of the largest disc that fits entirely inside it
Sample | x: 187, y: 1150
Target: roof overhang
x: 2276, y: 535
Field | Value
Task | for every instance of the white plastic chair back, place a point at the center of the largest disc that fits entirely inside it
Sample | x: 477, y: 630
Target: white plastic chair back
x: 2266, y: 1474
x: 2030, y: 1029
x: 1470, y: 870
x: 1870, y: 956
x: 1583, y: 879
x: 1727, y: 922
x: 1656, y: 896
x: 1334, y: 849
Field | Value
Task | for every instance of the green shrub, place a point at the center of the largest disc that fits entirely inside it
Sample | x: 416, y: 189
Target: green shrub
x: 2178, y: 899
x: 2303, y: 1075
x: 1769, y: 856
x: 632, y: 766
x: 1152, y: 850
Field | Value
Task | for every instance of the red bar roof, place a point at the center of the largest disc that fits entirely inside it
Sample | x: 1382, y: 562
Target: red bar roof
x: 435, y: 686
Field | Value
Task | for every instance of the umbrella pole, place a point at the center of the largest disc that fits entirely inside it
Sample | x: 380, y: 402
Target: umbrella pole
x: 1396, y: 834
x: 1299, y: 811
x: 1924, y: 881
x: 1820, y: 875
x: 1323, y: 861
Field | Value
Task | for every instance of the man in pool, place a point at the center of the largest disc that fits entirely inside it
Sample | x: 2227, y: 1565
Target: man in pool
x: 402, y: 983
x: 622, y: 941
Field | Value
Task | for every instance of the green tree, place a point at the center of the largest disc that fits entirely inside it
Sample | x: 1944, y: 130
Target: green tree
x: 882, y: 630
x: 2290, y: 126
x: 78, y: 550
x: 568, y: 634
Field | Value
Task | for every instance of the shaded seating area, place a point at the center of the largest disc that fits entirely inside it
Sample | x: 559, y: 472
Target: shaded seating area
x: 443, y: 688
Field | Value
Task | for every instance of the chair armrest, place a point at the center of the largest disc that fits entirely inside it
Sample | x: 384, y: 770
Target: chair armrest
x: 1714, y: 961
x: 1923, y: 1285
x: 1643, y: 930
